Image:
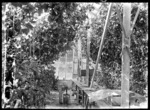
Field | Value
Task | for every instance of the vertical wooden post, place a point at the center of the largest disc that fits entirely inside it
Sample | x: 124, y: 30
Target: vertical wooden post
x: 88, y: 55
x: 82, y: 98
x: 79, y: 57
x: 58, y: 67
x: 88, y: 49
x: 100, y: 47
x: 77, y: 94
x: 66, y: 65
x: 60, y: 93
x: 73, y: 64
x: 125, y: 56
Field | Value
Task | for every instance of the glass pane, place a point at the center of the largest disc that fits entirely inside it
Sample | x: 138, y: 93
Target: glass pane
x: 62, y: 59
x: 75, y: 53
x: 70, y: 56
x: 61, y: 72
x: 75, y: 67
x: 69, y: 71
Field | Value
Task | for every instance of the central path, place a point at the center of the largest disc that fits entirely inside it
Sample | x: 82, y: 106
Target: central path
x: 53, y: 102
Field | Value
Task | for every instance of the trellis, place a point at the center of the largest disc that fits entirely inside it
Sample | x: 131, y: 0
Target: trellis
x: 126, y: 32
x: 127, y: 29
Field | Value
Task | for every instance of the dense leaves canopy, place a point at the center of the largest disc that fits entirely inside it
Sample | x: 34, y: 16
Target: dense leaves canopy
x: 39, y: 33
x: 111, y: 53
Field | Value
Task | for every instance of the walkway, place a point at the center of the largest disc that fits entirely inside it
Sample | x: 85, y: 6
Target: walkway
x: 54, y: 102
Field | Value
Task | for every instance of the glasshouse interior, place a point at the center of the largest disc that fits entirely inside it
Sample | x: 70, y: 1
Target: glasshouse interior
x: 74, y: 55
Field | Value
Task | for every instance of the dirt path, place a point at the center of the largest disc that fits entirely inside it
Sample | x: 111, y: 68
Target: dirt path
x: 53, y: 102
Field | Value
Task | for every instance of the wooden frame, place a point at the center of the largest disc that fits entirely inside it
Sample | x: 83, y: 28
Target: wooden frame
x: 87, y: 92
x: 79, y: 57
x: 125, y: 55
x: 100, y: 48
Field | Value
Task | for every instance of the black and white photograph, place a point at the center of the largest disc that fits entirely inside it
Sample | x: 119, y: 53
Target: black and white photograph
x: 74, y: 55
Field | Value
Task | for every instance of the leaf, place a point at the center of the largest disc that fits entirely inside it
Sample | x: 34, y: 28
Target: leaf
x: 26, y: 31
x: 19, y: 4
x: 45, y: 7
x: 16, y: 4
x: 29, y: 26
x: 25, y: 61
x: 40, y: 11
x: 33, y: 21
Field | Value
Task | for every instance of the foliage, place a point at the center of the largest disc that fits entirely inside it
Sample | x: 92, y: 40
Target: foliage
x: 139, y: 52
x: 38, y: 33
x: 37, y: 43
x: 36, y: 83
x: 110, y: 60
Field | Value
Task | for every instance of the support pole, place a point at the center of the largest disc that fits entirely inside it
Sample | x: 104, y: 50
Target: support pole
x: 73, y: 64
x: 79, y: 57
x: 125, y: 56
x: 66, y: 66
x: 136, y: 16
x: 100, y: 47
x: 88, y: 54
